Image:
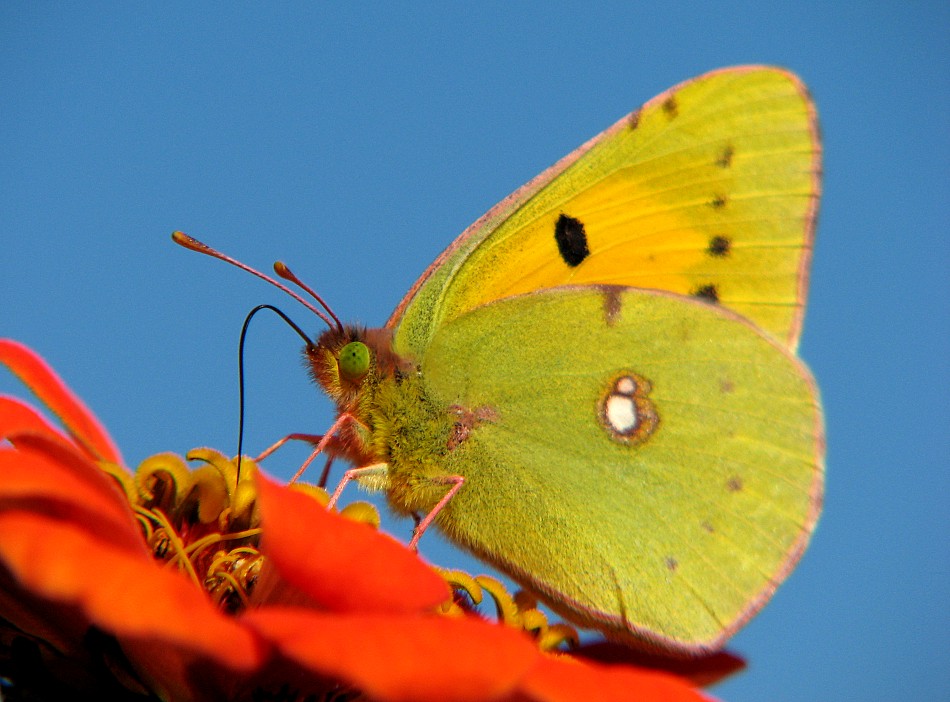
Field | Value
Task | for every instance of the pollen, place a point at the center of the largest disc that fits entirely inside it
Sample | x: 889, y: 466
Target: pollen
x: 519, y: 611
x: 205, y: 521
x: 202, y: 521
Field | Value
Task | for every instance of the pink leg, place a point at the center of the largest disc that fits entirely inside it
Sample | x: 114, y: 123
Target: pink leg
x: 326, y: 472
x: 352, y: 474
x: 456, y: 481
x: 322, y: 444
x: 312, y: 438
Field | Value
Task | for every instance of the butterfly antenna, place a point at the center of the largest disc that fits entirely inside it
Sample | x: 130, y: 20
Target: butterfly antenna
x: 284, y: 272
x: 244, y: 328
x: 188, y: 242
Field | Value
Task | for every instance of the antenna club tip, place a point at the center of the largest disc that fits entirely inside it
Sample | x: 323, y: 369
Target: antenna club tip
x: 188, y: 242
x: 281, y: 269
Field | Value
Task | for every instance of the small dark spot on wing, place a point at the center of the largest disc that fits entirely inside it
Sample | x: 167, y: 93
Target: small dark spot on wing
x: 571, y: 240
x: 724, y: 160
x: 719, y: 246
x: 707, y: 292
x: 734, y: 484
x: 671, y: 563
x: 467, y: 422
x: 718, y: 201
x: 670, y: 107
x: 633, y: 121
x: 612, y: 304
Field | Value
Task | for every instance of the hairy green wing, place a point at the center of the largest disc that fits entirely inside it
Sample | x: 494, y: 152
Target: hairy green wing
x: 649, y: 464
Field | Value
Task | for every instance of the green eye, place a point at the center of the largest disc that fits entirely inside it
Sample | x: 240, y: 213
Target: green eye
x: 354, y: 360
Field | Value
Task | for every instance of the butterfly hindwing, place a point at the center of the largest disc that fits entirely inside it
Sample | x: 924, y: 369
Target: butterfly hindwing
x: 675, y: 534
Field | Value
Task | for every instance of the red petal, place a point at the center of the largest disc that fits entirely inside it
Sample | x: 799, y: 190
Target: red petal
x: 124, y: 594
x: 564, y: 679
x: 17, y: 417
x: 30, y: 481
x: 61, y: 626
x: 75, y: 416
x: 69, y: 461
x: 343, y: 565
x: 402, y: 658
x: 701, y: 671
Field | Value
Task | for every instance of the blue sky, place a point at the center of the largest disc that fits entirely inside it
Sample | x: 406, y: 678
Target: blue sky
x: 354, y: 142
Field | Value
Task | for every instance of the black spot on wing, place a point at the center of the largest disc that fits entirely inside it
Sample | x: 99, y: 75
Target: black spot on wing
x: 633, y: 121
x: 670, y: 107
x: 719, y: 246
x: 724, y: 160
x: 571, y: 240
x: 718, y: 201
x: 706, y: 292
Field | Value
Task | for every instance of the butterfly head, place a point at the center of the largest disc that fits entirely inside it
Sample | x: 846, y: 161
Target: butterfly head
x: 343, y: 361
x: 348, y: 361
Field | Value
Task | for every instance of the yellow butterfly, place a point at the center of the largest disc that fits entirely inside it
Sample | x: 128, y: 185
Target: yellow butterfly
x: 594, y: 386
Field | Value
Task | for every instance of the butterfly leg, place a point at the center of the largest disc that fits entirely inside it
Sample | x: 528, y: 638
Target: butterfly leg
x: 380, y: 469
x: 310, y: 438
x: 323, y: 442
x: 314, y: 439
x: 326, y: 472
x: 456, y: 482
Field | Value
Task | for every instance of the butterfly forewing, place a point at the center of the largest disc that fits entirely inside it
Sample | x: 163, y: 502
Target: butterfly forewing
x: 708, y: 190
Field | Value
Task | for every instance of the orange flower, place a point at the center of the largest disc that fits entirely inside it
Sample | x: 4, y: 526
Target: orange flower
x: 199, y: 585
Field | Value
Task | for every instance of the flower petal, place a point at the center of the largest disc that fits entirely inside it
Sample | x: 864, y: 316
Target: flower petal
x: 17, y: 417
x: 75, y: 416
x: 127, y: 595
x: 31, y: 481
x: 61, y: 626
x: 343, y: 565
x: 402, y: 658
x: 564, y: 679
x: 701, y: 671
x: 57, y: 449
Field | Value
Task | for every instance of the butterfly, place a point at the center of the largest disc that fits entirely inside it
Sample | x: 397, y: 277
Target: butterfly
x: 594, y: 388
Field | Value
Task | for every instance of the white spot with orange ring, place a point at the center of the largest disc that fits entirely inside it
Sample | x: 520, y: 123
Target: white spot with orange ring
x: 626, y: 411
